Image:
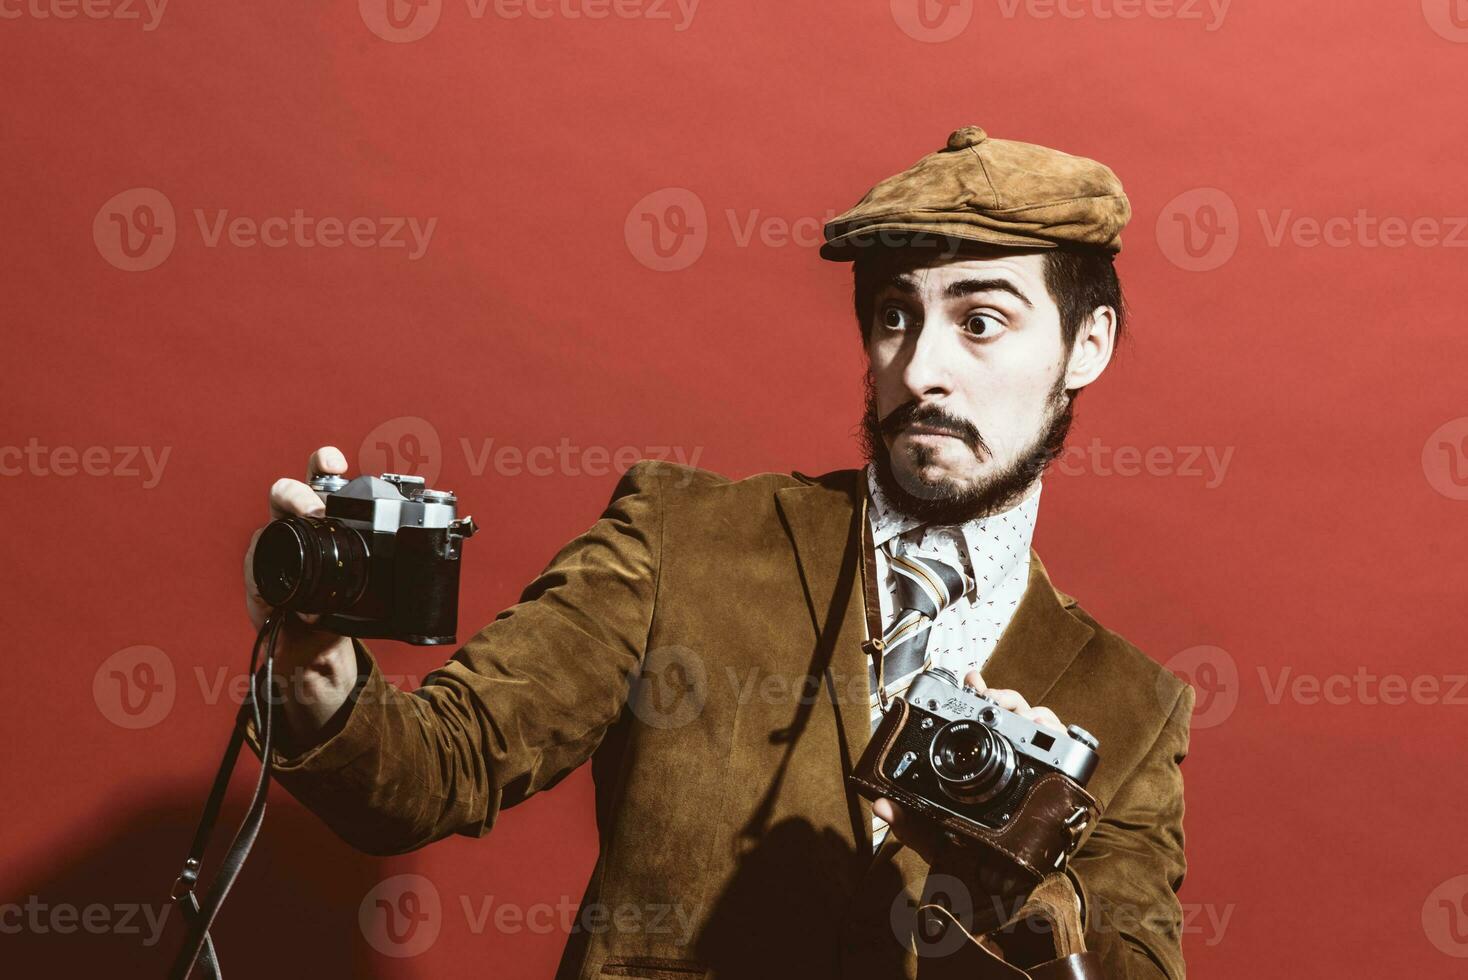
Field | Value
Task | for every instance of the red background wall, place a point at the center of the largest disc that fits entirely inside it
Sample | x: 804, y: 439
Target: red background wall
x: 1324, y: 831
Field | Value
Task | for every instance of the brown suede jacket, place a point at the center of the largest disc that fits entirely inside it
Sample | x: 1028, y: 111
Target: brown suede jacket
x: 731, y: 610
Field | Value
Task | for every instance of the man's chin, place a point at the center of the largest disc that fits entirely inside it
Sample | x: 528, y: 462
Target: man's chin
x: 939, y: 494
x: 934, y: 481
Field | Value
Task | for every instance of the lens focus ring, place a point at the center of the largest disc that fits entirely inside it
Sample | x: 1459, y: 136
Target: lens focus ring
x: 310, y: 564
x: 973, y: 762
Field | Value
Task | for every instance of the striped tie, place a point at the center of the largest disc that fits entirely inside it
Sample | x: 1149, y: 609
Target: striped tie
x: 927, y: 584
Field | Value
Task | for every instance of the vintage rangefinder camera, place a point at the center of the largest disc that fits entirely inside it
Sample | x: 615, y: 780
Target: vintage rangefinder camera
x: 942, y: 747
x: 383, y: 562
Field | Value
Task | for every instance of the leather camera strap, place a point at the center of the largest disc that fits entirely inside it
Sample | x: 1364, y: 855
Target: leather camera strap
x: 872, y: 644
x: 977, y: 958
x: 198, y: 946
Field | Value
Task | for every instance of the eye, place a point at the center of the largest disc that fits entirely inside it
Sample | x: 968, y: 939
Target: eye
x: 894, y: 318
x: 983, y: 325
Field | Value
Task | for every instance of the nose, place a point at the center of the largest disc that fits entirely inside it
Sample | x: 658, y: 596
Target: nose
x: 927, y: 373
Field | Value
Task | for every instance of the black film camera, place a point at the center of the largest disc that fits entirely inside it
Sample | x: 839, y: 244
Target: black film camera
x: 383, y: 562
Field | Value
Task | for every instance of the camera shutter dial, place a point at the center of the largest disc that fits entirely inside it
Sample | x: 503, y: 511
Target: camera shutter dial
x: 328, y: 483
x: 1084, y: 737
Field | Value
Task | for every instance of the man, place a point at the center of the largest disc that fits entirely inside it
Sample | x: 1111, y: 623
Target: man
x: 987, y: 301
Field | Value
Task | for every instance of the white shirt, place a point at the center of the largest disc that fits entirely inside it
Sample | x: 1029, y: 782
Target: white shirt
x: 994, y: 550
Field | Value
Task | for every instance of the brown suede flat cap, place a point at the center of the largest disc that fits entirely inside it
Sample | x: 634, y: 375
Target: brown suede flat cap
x: 998, y: 192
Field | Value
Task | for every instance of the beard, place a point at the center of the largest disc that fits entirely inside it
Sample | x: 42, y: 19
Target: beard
x: 946, y: 501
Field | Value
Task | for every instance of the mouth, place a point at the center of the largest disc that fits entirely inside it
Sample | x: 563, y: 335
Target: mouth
x: 929, y: 431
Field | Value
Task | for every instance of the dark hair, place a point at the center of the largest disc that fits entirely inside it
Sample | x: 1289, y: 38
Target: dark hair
x: 1080, y: 280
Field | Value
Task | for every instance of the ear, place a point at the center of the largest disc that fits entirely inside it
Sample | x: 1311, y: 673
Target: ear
x: 1092, y: 349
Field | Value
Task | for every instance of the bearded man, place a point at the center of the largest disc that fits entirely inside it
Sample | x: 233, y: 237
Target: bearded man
x: 701, y: 645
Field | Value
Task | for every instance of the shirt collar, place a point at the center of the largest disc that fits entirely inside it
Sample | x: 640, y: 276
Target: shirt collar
x: 888, y: 522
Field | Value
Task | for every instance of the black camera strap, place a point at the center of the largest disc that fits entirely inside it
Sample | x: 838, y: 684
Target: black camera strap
x: 198, y: 947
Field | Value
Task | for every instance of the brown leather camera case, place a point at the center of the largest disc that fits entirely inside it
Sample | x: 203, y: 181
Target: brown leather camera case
x: 1049, y: 824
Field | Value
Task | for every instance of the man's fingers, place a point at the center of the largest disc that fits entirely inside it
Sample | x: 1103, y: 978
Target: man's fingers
x: 292, y: 498
x: 1045, y: 718
x: 1014, y: 701
x: 1008, y: 700
x: 914, y: 834
x: 326, y: 461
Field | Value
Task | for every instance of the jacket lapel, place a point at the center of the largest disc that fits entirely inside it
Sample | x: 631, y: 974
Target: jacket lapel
x: 821, y: 518
x: 1041, y: 641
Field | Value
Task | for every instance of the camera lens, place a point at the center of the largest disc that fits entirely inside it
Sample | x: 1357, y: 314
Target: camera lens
x: 310, y: 564
x: 974, y: 763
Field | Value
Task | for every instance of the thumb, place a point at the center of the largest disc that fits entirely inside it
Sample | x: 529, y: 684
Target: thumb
x: 327, y: 460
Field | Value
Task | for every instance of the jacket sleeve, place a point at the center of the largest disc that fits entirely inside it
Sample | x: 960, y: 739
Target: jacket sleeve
x: 517, y: 707
x: 1130, y: 869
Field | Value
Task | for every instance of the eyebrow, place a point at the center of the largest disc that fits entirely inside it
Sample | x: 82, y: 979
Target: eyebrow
x: 964, y: 287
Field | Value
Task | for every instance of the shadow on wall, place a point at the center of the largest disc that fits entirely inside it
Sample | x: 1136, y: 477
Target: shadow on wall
x: 102, y: 908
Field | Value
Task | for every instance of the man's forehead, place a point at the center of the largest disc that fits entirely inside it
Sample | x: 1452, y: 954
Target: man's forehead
x: 937, y: 273
x: 1023, y: 266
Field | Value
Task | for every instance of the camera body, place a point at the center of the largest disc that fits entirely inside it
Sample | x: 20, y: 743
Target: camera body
x: 948, y: 749
x: 382, y: 563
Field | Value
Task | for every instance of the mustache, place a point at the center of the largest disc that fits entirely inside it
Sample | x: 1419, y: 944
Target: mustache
x: 933, y: 417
